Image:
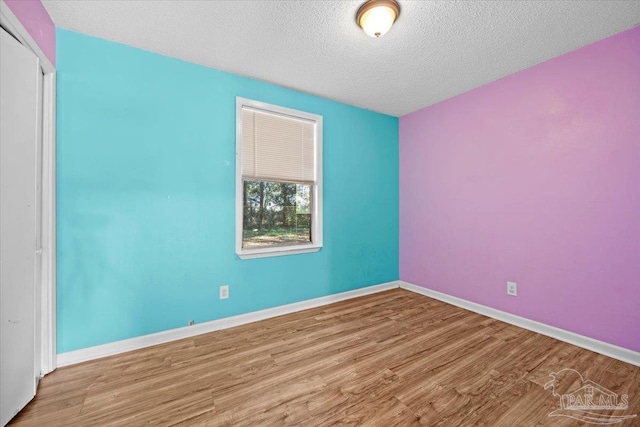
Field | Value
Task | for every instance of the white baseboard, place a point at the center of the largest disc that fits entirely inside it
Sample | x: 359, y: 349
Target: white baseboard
x: 607, y: 349
x: 96, y: 352
x: 91, y: 353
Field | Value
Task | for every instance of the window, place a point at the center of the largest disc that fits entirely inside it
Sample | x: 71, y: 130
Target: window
x: 278, y: 180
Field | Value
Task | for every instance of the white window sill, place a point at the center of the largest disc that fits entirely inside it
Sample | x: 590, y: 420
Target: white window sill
x: 279, y: 251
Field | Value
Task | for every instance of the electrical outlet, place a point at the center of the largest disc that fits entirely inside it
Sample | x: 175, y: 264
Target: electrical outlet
x: 224, y: 291
x: 191, y: 322
x: 512, y: 289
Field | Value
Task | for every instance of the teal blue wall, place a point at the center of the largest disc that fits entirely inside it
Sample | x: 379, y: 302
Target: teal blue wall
x: 146, y: 188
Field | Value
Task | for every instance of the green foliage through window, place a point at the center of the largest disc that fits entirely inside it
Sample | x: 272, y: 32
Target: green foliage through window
x: 276, y: 214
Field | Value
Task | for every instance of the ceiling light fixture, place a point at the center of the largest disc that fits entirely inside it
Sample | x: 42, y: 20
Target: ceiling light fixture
x: 376, y: 17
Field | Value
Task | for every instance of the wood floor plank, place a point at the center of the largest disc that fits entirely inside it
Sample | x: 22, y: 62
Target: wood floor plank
x: 392, y: 358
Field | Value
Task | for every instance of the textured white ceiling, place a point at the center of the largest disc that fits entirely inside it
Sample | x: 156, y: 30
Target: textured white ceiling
x: 436, y: 49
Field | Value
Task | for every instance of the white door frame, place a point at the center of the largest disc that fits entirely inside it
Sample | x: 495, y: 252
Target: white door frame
x: 47, y: 305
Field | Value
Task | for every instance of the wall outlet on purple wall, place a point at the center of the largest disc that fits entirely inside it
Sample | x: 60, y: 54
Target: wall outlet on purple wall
x: 512, y: 289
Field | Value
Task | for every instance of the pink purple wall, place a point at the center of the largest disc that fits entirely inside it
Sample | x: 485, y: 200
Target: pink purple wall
x: 34, y: 17
x: 534, y: 178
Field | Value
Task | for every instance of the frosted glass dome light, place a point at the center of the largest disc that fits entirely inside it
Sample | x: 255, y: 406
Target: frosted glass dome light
x: 376, y: 17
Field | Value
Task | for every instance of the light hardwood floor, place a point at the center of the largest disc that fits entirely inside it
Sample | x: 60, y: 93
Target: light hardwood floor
x: 392, y: 358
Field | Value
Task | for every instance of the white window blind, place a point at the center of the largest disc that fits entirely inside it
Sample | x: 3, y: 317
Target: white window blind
x: 277, y: 147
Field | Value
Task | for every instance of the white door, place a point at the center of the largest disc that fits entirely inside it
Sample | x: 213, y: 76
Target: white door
x: 19, y: 116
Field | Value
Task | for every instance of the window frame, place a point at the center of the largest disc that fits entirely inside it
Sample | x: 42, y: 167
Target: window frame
x: 316, y: 193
